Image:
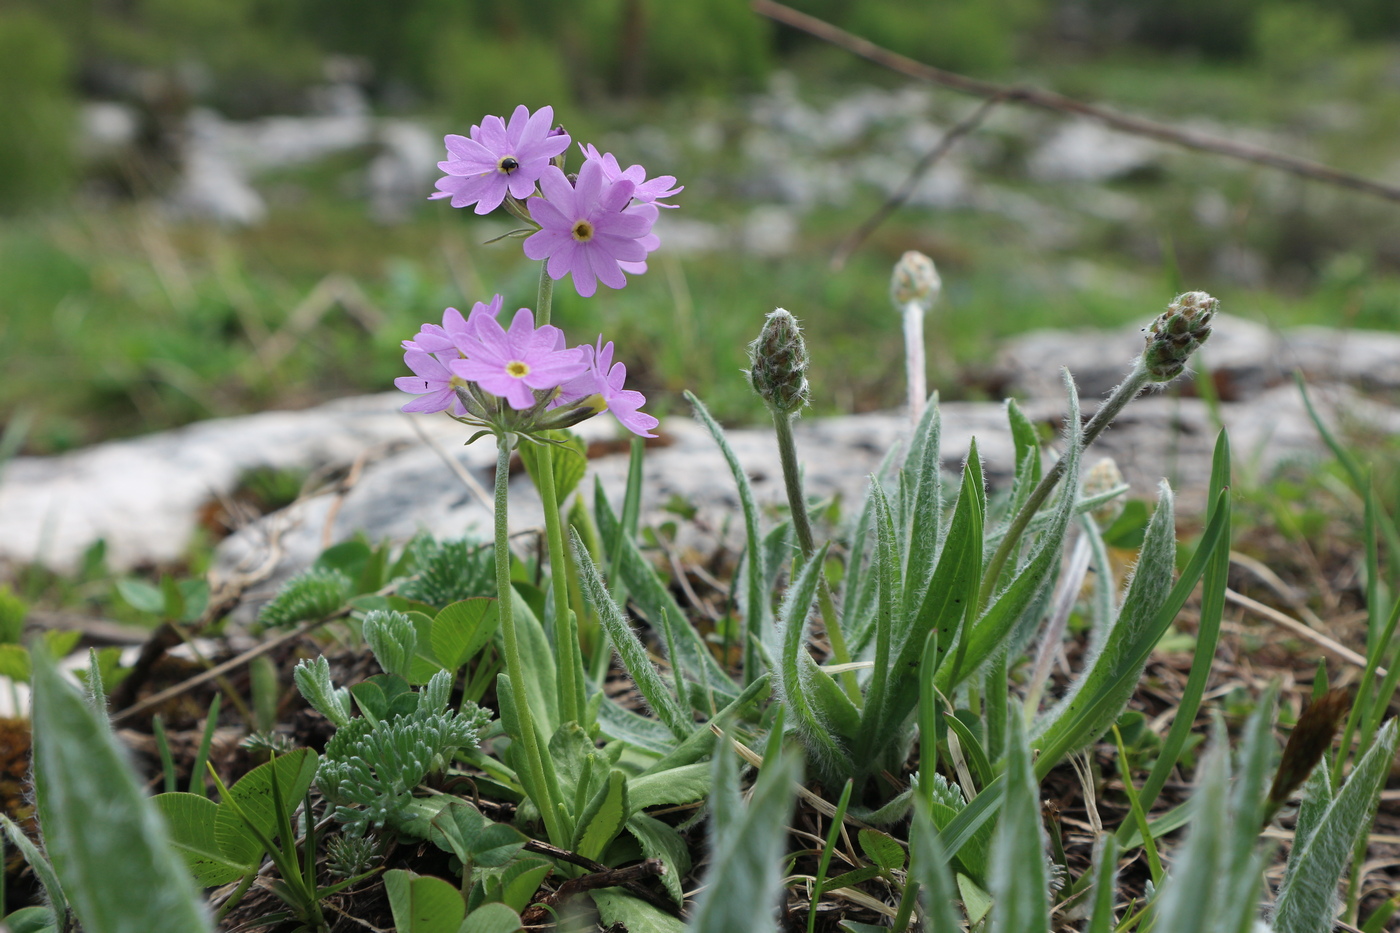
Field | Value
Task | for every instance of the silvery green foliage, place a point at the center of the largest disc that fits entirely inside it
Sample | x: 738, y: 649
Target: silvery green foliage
x: 450, y: 571
x: 1213, y: 886
x: 392, y: 638
x: 109, y: 846
x: 313, y: 679
x: 1018, y: 882
x: 1323, y: 844
x: 313, y: 594
x: 370, y: 768
x: 746, y: 847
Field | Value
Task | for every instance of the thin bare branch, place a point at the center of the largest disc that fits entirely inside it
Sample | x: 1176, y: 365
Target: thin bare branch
x: 1049, y: 100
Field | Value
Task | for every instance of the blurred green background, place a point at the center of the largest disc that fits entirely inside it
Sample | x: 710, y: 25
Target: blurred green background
x: 184, y: 235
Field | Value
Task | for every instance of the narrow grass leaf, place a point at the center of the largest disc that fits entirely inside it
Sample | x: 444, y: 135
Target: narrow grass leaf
x: 629, y: 647
x: 1187, y: 898
x: 42, y: 870
x: 928, y: 865
x: 1307, y: 897
x: 1101, y: 918
x: 109, y: 847
x: 1215, y: 580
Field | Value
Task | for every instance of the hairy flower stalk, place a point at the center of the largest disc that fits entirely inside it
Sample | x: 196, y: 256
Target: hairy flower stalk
x: 778, y: 373
x: 914, y: 289
x: 1170, y: 340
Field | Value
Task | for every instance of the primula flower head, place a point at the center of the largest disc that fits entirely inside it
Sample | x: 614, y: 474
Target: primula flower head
x: 601, y: 387
x: 499, y: 158
x: 649, y: 191
x: 588, y: 229
x: 514, y: 364
x: 451, y: 337
x: 433, y: 383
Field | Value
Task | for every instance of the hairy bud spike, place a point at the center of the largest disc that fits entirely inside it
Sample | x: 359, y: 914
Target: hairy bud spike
x: 779, y: 364
x: 915, y: 280
x: 1176, y: 334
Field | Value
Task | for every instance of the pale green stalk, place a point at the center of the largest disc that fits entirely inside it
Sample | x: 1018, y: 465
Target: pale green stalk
x: 1125, y: 393
x: 571, y: 699
x: 542, y: 768
x: 802, y: 525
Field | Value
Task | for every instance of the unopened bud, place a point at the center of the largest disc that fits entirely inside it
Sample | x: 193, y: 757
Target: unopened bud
x: 1176, y: 334
x: 778, y: 364
x: 916, y: 281
x: 1103, y: 477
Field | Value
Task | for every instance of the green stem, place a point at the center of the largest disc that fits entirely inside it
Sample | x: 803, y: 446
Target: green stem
x: 535, y: 763
x: 802, y: 525
x: 571, y: 699
x: 1109, y: 410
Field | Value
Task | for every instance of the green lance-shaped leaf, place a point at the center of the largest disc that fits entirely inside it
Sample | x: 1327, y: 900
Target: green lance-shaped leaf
x: 746, y: 847
x: 928, y: 865
x: 1101, y: 919
x: 925, y: 512
x: 755, y: 596
x: 1190, y: 894
x: 42, y: 870
x: 109, y: 846
x: 1307, y: 898
x: 629, y: 647
x: 1017, y: 872
x: 1109, y: 679
x: 661, y: 841
x: 603, y: 817
x: 817, y: 715
x: 875, y: 733
x: 620, y: 910
x: 313, y: 680
x: 1098, y: 705
x: 647, y: 590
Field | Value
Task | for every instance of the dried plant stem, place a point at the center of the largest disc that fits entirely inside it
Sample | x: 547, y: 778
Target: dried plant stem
x: 1125, y: 393
x: 802, y: 525
x: 525, y: 720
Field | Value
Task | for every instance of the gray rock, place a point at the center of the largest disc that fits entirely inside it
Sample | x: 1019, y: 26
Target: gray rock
x: 1085, y: 150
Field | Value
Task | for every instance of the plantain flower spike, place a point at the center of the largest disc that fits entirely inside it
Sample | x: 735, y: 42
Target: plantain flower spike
x: 915, y: 281
x: 1176, y: 334
x: 778, y: 364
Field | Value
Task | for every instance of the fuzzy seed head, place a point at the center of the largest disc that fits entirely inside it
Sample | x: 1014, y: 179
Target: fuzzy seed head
x: 915, y: 280
x: 778, y: 364
x: 1177, y: 333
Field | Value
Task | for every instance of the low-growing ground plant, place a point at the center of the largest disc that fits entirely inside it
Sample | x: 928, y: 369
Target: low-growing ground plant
x: 489, y: 775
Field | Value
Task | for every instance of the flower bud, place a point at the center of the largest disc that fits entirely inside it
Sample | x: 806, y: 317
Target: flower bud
x: 778, y: 361
x: 915, y: 280
x: 1101, y: 478
x: 1176, y: 334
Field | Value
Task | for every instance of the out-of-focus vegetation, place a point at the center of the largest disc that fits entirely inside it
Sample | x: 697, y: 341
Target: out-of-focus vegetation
x: 117, y: 319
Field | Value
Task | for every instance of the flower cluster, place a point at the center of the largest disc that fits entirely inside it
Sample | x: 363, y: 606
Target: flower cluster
x: 518, y: 380
x: 595, y: 226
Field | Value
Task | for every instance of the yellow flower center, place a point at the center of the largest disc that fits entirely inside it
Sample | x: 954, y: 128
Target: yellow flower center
x: 518, y: 368
x: 583, y: 231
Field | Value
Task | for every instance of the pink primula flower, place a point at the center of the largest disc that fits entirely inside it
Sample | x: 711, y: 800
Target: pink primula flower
x: 499, y: 158
x: 432, y: 382
x: 452, y: 335
x: 514, y: 364
x: 588, y: 229
x: 649, y: 191
x: 605, y: 379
